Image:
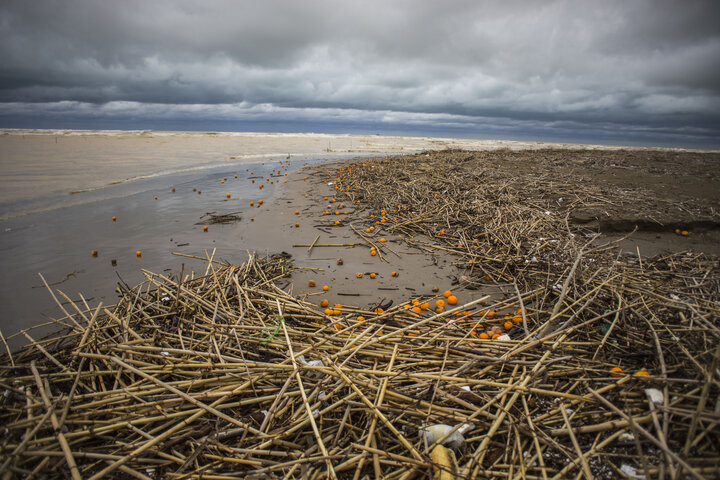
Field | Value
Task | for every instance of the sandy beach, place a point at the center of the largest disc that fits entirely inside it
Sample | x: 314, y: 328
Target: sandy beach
x: 60, y: 190
x: 555, y: 248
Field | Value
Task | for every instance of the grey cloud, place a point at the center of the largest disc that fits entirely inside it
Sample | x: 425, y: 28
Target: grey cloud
x: 641, y: 63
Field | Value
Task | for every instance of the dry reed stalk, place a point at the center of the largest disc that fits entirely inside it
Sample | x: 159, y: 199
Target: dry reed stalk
x: 225, y: 374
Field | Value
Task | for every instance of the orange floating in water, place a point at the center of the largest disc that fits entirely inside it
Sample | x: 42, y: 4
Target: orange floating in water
x: 156, y: 198
x: 94, y: 253
x: 325, y: 288
x: 311, y: 283
x: 260, y: 202
x: 114, y: 219
x: 205, y: 228
x: 138, y: 253
x: 228, y: 195
x: 452, y: 300
x: 324, y: 303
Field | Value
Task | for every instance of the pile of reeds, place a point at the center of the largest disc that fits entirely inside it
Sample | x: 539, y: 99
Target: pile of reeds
x: 226, y: 375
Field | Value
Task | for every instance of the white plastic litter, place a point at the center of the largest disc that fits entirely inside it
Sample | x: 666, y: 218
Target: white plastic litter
x: 504, y: 337
x: 454, y: 441
x: 631, y: 471
x: 655, y: 396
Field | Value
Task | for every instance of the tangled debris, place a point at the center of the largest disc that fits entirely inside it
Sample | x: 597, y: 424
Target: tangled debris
x: 220, y: 218
x: 610, y: 369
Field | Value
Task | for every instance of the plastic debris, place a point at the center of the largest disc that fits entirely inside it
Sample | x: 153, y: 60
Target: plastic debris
x: 655, y: 396
x: 455, y: 440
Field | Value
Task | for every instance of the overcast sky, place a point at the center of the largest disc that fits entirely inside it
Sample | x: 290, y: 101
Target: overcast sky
x: 644, y: 72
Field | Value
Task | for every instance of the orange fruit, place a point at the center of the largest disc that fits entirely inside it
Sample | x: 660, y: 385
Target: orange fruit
x: 508, y: 325
x: 416, y: 309
x: 360, y: 318
x: 642, y: 373
x: 616, y: 372
x: 447, y: 293
x: 94, y: 253
x: 311, y: 283
x: 452, y: 300
x: 484, y: 336
x: 440, y: 303
x: 394, y: 274
x: 205, y: 228
x: 425, y: 306
x: 325, y: 288
x: 114, y: 219
x: 359, y: 275
x: 373, y: 275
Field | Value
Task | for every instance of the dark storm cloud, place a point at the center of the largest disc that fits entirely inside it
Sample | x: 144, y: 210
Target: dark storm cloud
x: 641, y: 63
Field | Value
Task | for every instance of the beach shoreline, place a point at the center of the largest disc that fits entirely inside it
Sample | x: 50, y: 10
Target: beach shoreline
x: 173, y: 224
x: 439, y: 284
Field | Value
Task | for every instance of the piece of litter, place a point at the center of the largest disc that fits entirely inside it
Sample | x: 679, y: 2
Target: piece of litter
x: 504, y: 337
x: 466, y: 388
x: 655, y: 396
x: 166, y: 354
x: 455, y: 440
x: 626, y: 437
x: 631, y: 471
